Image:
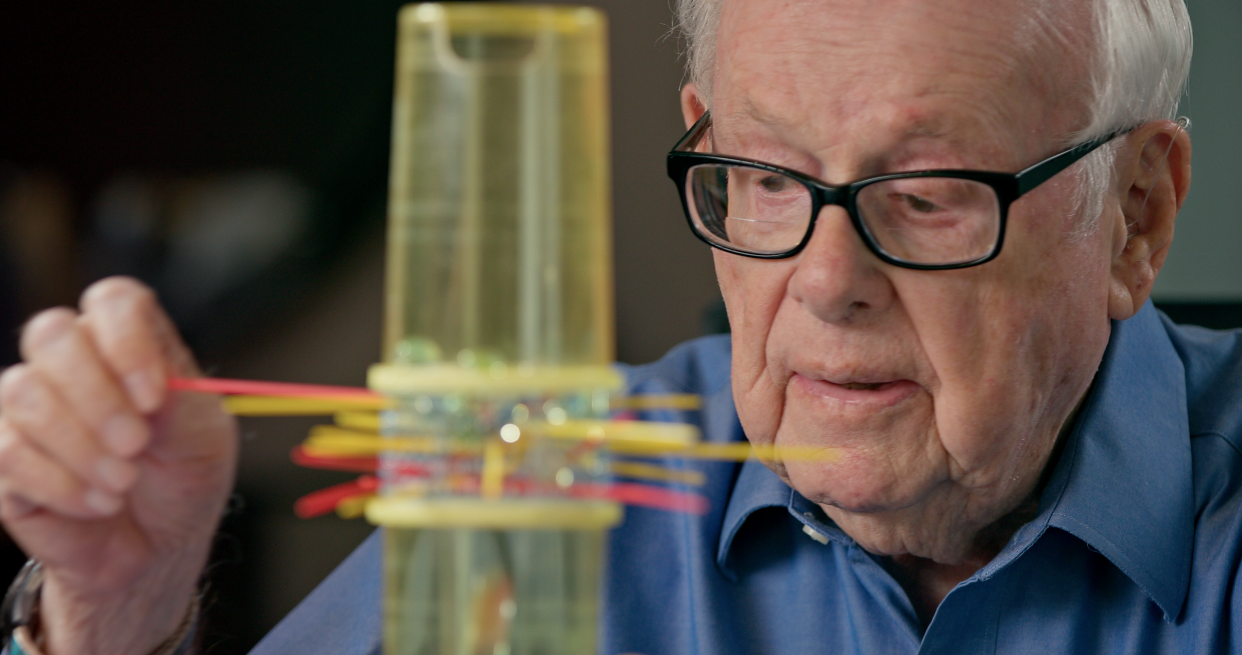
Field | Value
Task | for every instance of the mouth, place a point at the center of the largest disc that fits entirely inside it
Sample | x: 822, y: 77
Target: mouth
x: 862, y: 386
x: 889, y: 392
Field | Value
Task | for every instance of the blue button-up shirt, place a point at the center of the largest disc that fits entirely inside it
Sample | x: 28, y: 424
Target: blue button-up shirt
x: 1135, y: 548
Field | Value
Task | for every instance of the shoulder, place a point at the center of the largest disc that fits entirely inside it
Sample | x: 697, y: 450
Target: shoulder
x: 1212, y: 360
x: 1215, y: 584
x: 699, y: 366
x: 1213, y: 367
x: 341, y: 616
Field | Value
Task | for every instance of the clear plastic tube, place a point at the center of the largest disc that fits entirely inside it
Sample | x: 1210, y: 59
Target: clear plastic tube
x: 499, y: 209
x: 498, y: 320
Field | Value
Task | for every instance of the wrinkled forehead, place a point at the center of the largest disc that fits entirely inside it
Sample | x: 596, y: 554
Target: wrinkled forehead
x: 991, y: 70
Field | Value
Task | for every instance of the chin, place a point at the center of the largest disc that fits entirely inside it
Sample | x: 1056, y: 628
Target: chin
x: 857, y: 484
x: 886, y: 462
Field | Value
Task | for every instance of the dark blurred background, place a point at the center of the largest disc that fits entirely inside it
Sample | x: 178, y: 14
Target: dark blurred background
x: 234, y: 155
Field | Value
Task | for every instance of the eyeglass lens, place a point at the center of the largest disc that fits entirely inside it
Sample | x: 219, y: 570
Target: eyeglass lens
x: 924, y: 220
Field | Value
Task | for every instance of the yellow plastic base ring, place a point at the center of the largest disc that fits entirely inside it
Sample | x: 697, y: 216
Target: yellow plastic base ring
x: 502, y: 514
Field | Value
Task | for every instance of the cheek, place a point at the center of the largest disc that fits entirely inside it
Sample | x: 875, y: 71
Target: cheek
x: 753, y: 292
x: 1014, y: 347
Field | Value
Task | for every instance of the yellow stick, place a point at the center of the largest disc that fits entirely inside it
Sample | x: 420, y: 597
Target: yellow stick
x: 640, y: 434
x: 492, y: 478
x: 685, y: 401
x: 732, y: 452
x: 279, y: 406
x: 352, y: 508
x: 654, y: 472
x: 329, y: 440
x: 363, y: 421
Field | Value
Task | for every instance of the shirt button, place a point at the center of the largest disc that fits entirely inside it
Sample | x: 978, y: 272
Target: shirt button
x: 815, y: 534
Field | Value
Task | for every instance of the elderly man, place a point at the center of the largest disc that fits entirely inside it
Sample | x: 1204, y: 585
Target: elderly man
x: 936, y: 226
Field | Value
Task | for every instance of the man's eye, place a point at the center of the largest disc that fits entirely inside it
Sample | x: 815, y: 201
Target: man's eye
x: 917, y: 203
x: 774, y: 183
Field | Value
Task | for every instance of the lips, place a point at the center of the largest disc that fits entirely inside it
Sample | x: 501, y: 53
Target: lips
x: 881, y: 394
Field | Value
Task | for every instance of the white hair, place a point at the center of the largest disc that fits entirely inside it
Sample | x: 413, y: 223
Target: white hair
x: 1140, y: 67
x: 1142, y: 63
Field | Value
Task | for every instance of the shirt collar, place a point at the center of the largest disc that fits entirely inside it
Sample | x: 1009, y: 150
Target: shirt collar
x: 756, y: 487
x: 1122, y: 483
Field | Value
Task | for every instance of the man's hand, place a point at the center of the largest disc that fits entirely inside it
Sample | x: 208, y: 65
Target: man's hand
x: 115, y: 484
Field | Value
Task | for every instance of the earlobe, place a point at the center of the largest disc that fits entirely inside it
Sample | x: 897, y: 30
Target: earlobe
x: 1153, y: 176
x: 693, y: 104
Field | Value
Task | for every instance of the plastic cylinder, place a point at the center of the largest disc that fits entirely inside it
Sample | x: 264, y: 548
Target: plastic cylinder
x: 499, y: 203
x: 497, y: 333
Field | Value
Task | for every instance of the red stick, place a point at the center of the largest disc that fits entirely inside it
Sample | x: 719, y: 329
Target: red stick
x: 645, y: 495
x: 325, y: 500
x: 257, y: 388
x: 353, y: 464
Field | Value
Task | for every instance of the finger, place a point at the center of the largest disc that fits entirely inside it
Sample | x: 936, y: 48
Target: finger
x: 33, y: 408
x: 57, y: 347
x: 134, y: 336
x: 35, y: 479
x: 15, y: 507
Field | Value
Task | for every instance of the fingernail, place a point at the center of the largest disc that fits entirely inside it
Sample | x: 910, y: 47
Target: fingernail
x: 124, y: 435
x: 102, y: 502
x: 116, y: 474
x: 144, y: 390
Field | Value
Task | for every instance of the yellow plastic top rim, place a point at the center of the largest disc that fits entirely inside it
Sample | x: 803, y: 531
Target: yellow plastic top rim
x: 501, y: 514
x: 497, y: 18
x: 404, y: 380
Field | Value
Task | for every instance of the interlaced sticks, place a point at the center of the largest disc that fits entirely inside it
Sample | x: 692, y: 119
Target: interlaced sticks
x: 639, y: 450
x: 256, y: 398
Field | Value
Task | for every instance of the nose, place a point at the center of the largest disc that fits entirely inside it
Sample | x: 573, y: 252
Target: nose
x: 837, y: 279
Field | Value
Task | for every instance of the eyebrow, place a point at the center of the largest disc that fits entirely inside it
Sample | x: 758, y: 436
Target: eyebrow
x: 764, y: 145
x: 771, y: 148
x: 752, y: 111
x: 930, y: 128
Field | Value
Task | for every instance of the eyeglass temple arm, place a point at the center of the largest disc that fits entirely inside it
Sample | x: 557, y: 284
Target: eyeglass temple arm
x: 700, y: 126
x: 1044, y: 170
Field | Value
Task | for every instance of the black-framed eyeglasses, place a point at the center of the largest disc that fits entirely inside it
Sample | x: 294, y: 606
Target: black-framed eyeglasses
x: 926, y: 220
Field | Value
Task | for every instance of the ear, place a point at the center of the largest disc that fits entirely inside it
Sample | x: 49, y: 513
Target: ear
x: 1153, y: 176
x: 693, y: 105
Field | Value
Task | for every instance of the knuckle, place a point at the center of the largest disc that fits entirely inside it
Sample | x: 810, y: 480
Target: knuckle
x: 11, y: 506
x: 23, y: 468
x: 26, y: 402
x: 16, y: 384
x: 10, y: 450
x: 118, y: 290
x: 45, y: 328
